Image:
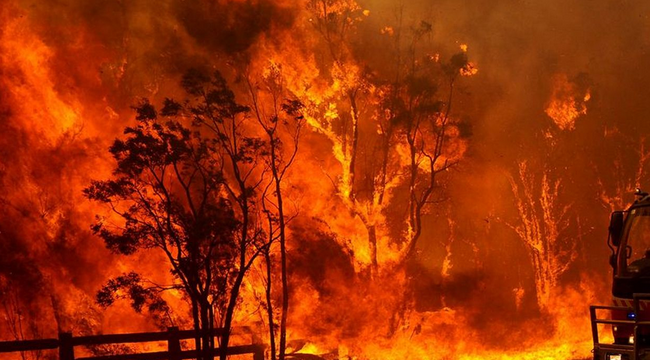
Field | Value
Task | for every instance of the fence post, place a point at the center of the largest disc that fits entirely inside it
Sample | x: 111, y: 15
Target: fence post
x: 66, y: 348
x: 260, y: 349
x: 173, y: 343
x: 255, y: 339
x: 259, y: 353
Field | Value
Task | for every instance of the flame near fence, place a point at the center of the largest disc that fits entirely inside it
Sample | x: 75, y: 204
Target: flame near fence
x: 173, y: 336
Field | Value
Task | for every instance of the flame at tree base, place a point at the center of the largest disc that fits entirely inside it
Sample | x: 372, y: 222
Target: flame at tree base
x: 562, y: 333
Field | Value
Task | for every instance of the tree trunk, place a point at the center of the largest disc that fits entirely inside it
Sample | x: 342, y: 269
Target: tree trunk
x: 206, y: 331
x: 230, y: 310
x: 372, y: 243
x: 269, y: 304
x: 197, y: 325
x: 283, y: 257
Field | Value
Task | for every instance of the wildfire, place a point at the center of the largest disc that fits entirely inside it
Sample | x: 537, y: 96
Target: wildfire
x: 403, y: 238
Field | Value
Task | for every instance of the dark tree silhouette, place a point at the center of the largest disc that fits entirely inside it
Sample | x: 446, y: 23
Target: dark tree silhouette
x: 212, y: 107
x: 170, y: 192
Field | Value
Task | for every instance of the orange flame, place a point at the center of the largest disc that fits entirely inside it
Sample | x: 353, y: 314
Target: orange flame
x: 567, y: 103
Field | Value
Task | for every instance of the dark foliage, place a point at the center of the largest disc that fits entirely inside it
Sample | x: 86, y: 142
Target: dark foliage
x: 185, y: 190
x: 130, y: 286
x: 168, y: 190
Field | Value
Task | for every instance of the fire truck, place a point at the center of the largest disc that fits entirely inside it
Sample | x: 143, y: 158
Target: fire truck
x: 629, y: 313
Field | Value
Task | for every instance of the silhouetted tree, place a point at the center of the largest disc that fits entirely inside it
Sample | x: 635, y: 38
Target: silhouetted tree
x: 188, y: 195
x: 240, y: 154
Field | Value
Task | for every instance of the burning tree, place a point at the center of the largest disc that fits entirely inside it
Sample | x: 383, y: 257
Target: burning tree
x: 393, y: 134
x: 630, y: 168
x: 420, y: 112
x: 352, y: 90
x: 390, y: 129
x: 544, y: 218
x: 543, y: 221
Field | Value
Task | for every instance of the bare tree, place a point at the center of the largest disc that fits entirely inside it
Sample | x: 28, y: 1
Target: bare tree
x: 629, y: 169
x: 281, y: 116
x: 17, y: 319
x: 542, y: 224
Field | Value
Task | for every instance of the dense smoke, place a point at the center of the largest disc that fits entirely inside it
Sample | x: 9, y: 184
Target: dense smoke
x: 71, y: 70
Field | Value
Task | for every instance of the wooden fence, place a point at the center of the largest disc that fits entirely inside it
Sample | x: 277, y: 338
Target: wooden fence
x: 173, y: 336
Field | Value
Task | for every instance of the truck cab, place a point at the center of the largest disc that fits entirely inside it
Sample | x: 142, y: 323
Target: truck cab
x: 629, y: 241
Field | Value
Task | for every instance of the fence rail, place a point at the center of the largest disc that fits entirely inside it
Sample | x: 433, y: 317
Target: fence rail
x: 173, y: 336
